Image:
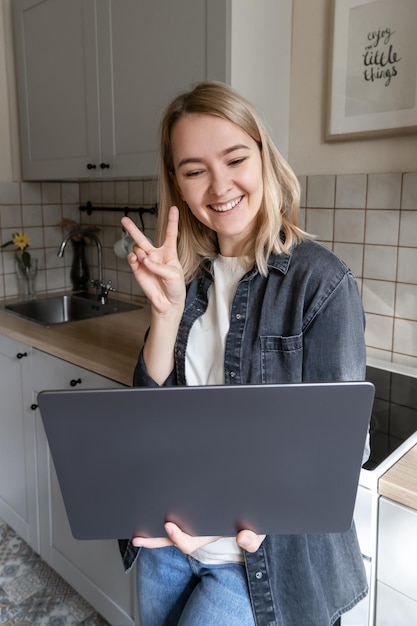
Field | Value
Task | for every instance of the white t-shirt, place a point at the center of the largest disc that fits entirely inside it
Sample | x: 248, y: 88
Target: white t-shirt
x: 204, y: 365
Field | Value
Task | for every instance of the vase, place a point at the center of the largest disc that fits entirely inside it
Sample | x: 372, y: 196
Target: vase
x: 80, y: 274
x: 26, y: 278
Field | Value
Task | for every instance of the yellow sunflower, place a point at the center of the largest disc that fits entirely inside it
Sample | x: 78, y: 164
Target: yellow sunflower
x: 21, y: 240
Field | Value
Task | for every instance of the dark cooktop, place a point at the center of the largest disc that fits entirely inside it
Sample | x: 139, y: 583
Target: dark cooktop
x: 394, y: 414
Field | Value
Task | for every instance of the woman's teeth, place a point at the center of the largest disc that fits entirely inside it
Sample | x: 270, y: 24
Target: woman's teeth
x: 222, y: 208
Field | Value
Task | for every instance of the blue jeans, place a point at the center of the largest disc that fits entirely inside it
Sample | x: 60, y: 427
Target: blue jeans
x: 176, y: 590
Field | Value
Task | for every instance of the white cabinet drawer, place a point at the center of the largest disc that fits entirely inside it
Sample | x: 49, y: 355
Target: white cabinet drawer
x: 397, y: 549
x: 394, y: 608
x: 14, y: 349
x: 50, y: 372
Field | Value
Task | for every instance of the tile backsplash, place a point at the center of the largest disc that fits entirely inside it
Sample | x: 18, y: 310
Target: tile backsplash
x: 38, y: 208
x: 369, y: 220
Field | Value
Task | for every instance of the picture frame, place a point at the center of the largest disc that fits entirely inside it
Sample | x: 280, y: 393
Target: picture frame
x: 372, y: 77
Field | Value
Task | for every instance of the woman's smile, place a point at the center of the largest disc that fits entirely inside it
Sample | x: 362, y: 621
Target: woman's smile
x: 223, y: 208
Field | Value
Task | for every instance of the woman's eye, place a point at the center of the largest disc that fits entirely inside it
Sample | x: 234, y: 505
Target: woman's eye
x: 238, y: 161
x: 193, y: 173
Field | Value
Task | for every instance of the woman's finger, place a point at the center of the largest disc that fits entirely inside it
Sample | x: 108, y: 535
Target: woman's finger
x: 249, y: 541
x: 151, y: 542
x: 137, y: 235
x: 184, y: 542
x: 171, y: 235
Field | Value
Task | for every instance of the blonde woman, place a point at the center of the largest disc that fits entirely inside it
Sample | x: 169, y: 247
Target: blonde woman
x: 240, y: 294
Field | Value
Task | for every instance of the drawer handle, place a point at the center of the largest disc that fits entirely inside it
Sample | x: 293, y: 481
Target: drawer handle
x: 20, y: 355
x: 34, y: 406
x: 91, y: 166
x: 74, y: 382
x: 105, y: 166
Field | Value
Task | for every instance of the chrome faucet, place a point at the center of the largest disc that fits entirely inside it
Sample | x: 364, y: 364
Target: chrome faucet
x: 102, y: 289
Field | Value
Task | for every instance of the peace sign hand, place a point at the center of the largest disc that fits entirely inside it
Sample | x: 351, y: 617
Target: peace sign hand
x: 158, y: 270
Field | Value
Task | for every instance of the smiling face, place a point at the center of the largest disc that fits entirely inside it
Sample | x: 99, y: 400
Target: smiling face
x: 218, y: 171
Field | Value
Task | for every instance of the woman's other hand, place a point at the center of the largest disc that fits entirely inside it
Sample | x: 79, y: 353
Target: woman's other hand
x: 249, y: 541
x: 246, y: 539
x: 175, y: 536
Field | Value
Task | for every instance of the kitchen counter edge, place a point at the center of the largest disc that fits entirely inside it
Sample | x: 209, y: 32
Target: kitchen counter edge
x: 400, y: 482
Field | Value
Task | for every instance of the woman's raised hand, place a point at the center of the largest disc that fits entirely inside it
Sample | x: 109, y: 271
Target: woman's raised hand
x: 158, y: 270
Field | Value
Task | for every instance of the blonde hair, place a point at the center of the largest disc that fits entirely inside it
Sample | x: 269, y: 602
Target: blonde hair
x: 277, y: 229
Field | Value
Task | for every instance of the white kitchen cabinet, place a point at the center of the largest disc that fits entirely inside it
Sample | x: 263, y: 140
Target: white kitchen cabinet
x: 394, y: 608
x: 93, y: 568
x: 94, y: 76
x: 18, y: 486
x: 396, y: 601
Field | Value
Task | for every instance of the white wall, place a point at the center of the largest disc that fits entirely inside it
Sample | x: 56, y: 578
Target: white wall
x: 261, y: 59
x: 308, y: 152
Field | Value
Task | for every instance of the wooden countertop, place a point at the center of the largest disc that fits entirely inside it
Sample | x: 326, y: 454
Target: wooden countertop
x: 400, y: 482
x: 108, y: 345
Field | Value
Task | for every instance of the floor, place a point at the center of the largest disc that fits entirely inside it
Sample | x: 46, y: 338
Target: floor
x: 33, y: 594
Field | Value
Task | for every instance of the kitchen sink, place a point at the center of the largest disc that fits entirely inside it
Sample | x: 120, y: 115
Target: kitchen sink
x: 68, y: 308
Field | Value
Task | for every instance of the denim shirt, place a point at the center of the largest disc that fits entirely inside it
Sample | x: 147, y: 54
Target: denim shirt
x: 304, y: 321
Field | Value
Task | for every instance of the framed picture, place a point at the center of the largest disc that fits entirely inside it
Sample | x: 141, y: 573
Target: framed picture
x: 373, y: 69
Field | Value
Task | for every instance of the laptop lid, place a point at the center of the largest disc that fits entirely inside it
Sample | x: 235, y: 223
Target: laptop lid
x: 271, y: 458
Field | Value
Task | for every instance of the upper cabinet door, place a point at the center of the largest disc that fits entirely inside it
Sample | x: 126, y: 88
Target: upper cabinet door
x: 94, y: 77
x: 148, y: 52
x: 56, y: 64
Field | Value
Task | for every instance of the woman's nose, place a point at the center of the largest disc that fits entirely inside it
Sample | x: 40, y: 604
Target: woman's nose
x: 219, y: 184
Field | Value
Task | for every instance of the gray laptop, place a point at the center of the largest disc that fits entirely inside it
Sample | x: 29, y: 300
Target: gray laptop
x: 272, y: 458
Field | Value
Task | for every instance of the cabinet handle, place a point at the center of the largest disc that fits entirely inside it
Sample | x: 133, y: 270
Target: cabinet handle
x: 20, y: 355
x: 74, y: 382
x: 104, y: 166
x: 34, y: 407
x: 91, y: 166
